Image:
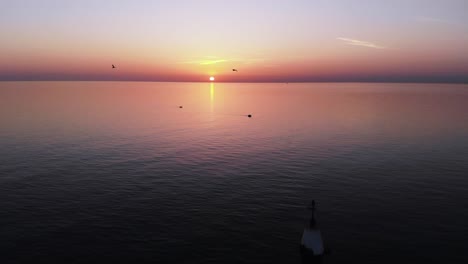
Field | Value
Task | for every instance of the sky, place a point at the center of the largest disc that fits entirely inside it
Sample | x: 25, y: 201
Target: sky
x: 265, y: 40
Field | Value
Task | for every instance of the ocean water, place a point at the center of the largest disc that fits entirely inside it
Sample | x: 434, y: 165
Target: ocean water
x: 117, y: 172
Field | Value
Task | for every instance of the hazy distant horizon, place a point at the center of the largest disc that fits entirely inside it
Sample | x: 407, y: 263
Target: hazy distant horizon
x: 433, y: 80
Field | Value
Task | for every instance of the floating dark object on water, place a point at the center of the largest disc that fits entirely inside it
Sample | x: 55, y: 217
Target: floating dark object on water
x: 234, y: 70
x: 312, y: 248
x: 181, y: 106
x: 249, y: 116
x: 113, y: 66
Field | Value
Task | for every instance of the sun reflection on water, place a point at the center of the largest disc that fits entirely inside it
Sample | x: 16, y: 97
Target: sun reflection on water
x: 211, y: 96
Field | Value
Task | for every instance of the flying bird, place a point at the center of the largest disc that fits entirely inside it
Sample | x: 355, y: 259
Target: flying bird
x: 234, y: 70
x: 113, y: 66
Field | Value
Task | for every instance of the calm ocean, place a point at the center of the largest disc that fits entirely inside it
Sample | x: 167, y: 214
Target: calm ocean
x: 117, y: 172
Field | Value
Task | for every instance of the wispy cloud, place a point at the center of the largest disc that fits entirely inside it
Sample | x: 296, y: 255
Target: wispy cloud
x: 208, y: 60
x: 361, y: 43
x: 204, y: 61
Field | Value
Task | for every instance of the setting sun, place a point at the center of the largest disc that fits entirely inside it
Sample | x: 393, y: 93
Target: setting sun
x: 212, y: 78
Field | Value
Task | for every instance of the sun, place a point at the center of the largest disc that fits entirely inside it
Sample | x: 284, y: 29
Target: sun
x: 212, y: 78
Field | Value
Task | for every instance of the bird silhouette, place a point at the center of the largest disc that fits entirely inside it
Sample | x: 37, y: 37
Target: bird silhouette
x: 113, y: 66
x: 234, y: 70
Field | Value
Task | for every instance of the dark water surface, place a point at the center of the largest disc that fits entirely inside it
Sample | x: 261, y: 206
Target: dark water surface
x: 117, y: 173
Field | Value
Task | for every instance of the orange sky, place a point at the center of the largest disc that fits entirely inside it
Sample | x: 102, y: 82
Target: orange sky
x: 192, y: 40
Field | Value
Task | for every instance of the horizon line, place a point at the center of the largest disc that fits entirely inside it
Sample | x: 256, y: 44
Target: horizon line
x: 284, y: 82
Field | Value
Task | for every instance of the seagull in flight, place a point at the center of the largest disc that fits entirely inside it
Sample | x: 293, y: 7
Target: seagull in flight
x: 113, y: 66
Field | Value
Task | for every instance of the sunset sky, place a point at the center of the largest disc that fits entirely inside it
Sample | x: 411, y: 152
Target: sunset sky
x: 267, y: 41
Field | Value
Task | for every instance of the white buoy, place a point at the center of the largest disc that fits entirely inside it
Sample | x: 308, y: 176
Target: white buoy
x: 311, y: 242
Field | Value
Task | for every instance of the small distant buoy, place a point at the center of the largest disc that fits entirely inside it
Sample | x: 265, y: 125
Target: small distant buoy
x: 181, y: 107
x: 249, y: 116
